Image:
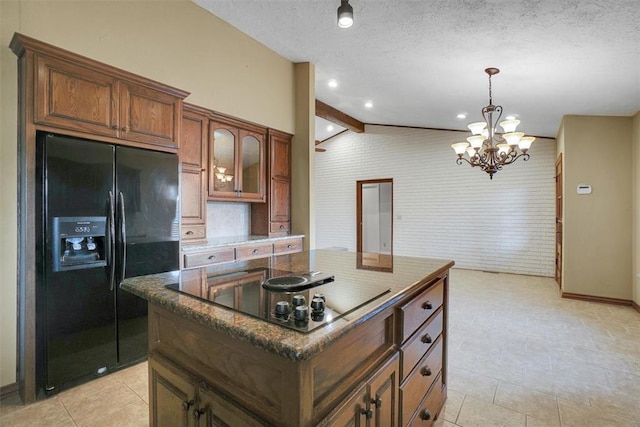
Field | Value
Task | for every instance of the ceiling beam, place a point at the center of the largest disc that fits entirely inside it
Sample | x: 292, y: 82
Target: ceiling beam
x: 327, y: 112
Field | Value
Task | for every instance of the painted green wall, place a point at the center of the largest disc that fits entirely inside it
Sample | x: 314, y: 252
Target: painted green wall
x: 597, y: 227
x: 174, y: 42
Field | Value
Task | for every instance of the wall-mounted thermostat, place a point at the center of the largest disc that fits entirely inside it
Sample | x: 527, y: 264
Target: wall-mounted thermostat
x: 584, y: 189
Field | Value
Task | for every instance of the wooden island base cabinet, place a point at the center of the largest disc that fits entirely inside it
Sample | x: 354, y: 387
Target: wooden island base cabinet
x: 388, y: 370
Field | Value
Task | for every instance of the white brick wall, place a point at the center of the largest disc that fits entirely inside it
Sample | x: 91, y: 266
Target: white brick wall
x: 440, y: 209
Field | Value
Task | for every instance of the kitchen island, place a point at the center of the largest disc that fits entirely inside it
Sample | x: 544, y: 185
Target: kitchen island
x: 381, y: 361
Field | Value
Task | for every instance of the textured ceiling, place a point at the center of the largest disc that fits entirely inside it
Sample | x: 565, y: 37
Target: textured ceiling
x: 421, y: 62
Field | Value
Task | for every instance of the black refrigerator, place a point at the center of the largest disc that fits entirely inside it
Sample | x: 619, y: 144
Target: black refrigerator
x: 104, y: 212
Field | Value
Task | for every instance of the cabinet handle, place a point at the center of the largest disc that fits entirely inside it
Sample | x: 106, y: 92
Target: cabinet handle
x: 427, y: 305
x: 425, y: 415
x: 125, y: 129
x: 426, y: 371
x: 281, y: 226
x: 187, y: 404
x: 427, y: 339
x: 377, y: 402
x: 212, y: 257
x: 198, y: 412
x: 289, y: 246
x: 189, y: 233
x: 114, y: 127
x: 367, y: 412
x: 255, y: 251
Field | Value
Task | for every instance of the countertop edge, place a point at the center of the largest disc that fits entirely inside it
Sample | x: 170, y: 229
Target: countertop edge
x: 261, y: 334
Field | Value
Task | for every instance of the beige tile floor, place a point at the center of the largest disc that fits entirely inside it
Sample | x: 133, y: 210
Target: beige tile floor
x: 519, y: 355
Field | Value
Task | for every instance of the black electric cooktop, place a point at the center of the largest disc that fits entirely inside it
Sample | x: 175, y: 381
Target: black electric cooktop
x: 302, y: 301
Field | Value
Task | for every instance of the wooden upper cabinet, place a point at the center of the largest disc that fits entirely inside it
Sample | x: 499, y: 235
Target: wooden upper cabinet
x: 280, y: 171
x: 236, y: 161
x: 148, y: 115
x: 274, y: 218
x: 74, y: 97
x: 193, y: 185
x: 194, y: 138
x: 95, y: 100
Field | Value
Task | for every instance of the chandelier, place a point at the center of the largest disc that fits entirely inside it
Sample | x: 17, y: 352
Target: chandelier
x: 486, y: 148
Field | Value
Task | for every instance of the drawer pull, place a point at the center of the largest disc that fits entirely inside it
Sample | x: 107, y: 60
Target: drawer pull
x: 427, y: 305
x: 289, y: 246
x: 425, y: 415
x: 426, y: 371
x: 377, y: 402
x: 198, y: 412
x: 187, y: 404
x: 189, y: 233
x: 367, y: 412
x: 427, y: 339
x: 281, y: 226
x: 255, y: 251
x: 212, y: 257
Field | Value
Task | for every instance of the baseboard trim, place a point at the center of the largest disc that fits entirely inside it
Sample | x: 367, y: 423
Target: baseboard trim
x: 636, y: 306
x: 593, y: 298
x: 6, y: 390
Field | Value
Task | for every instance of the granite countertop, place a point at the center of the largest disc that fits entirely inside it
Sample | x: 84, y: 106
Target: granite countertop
x: 407, y: 274
x: 219, y: 242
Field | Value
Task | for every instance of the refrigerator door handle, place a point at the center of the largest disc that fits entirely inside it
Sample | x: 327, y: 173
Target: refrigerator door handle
x: 123, y: 238
x: 111, y: 237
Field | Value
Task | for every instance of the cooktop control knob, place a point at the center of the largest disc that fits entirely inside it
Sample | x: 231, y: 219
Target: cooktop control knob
x: 298, y: 300
x: 282, y: 308
x: 301, y: 312
x: 320, y: 296
x: 317, y: 305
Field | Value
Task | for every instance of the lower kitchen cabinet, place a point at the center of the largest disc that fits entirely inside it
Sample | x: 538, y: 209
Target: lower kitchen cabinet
x: 388, y: 371
x: 178, y: 399
x: 373, y: 404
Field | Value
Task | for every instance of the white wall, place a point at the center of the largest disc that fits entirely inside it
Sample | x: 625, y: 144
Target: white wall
x: 442, y: 210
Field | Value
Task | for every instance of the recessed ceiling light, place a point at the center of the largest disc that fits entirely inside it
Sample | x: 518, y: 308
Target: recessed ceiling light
x: 462, y: 116
x: 329, y: 128
x: 368, y: 104
x: 333, y: 83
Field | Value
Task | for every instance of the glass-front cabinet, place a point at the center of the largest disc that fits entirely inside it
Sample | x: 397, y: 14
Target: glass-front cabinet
x: 236, y: 161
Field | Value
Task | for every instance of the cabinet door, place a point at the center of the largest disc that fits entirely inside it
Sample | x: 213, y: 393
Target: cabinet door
x: 172, y: 395
x: 352, y: 413
x: 149, y: 116
x: 74, y: 97
x: 215, y: 410
x: 383, y: 389
x: 194, y: 140
x: 222, y: 161
x: 280, y: 171
x: 193, y: 147
x: 251, y: 173
x: 193, y: 201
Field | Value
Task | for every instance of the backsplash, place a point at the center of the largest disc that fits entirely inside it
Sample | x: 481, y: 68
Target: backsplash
x: 228, y: 219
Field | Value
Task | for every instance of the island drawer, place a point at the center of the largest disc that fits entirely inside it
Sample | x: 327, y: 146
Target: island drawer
x: 412, y: 391
x: 429, y: 407
x: 253, y: 251
x: 420, y: 308
x: 287, y: 246
x: 416, y: 347
x: 213, y: 256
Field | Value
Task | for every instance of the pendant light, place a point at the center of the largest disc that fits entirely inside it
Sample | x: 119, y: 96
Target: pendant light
x: 345, y: 14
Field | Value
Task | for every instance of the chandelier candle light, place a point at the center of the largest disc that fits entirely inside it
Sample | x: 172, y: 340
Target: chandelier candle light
x: 488, y: 149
